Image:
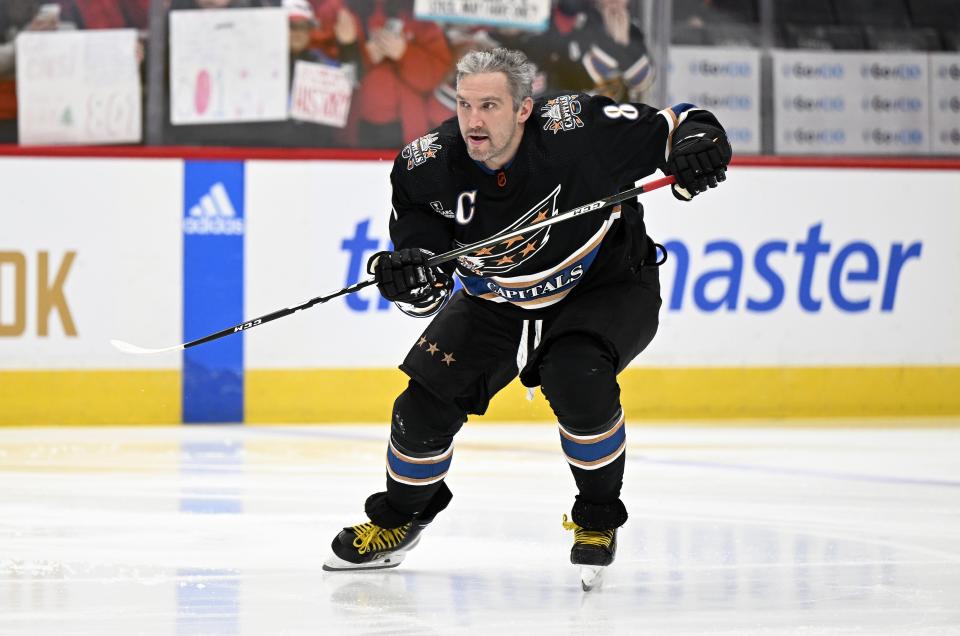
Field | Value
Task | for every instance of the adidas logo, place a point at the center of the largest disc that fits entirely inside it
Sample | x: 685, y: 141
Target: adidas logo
x: 213, y: 214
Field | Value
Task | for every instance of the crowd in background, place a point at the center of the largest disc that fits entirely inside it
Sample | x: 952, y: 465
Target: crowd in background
x: 403, y: 68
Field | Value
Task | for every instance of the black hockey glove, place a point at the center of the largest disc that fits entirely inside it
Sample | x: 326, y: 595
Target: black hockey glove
x: 403, y: 276
x: 698, y: 162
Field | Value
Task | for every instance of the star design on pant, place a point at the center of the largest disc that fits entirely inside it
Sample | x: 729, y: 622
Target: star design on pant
x: 448, y: 358
x: 422, y: 341
x: 432, y: 349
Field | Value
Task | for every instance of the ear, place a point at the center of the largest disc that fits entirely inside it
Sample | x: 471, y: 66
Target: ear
x: 526, y: 108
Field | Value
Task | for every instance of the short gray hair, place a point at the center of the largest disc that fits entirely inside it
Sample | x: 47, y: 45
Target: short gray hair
x: 514, y: 64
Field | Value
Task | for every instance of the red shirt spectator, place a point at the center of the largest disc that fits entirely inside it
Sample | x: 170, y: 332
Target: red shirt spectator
x: 404, y: 59
x: 107, y: 14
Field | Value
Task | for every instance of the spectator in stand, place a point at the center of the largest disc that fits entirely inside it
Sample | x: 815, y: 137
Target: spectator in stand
x: 17, y: 16
x: 330, y: 39
x: 597, y: 47
x: 337, y: 35
x: 336, y: 32
x: 404, y: 61
x: 176, y: 5
x: 107, y: 14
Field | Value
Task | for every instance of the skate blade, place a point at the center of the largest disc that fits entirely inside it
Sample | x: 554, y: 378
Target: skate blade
x: 336, y: 564
x: 591, y: 576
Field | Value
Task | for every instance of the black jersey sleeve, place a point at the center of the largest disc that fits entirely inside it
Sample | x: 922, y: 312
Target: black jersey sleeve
x: 632, y: 141
x: 413, y: 222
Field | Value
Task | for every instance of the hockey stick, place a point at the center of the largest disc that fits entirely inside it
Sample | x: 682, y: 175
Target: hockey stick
x: 126, y: 347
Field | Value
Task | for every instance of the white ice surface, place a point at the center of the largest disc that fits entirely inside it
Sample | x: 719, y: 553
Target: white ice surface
x: 223, y: 530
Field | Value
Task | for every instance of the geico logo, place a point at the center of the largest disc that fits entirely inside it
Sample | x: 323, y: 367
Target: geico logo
x: 951, y: 71
x: 15, y: 267
x: 905, y: 137
x: 895, y: 71
x: 816, y: 136
x: 951, y: 104
x: 730, y: 102
x: 951, y: 136
x: 808, y: 104
x: 895, y: 104
x: 813, y: 71
x: 724, y: 69
x: 858, y: 276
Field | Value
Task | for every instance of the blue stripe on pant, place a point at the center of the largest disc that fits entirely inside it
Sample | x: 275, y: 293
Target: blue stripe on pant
x: 590, y: 452
x: 418, y: 471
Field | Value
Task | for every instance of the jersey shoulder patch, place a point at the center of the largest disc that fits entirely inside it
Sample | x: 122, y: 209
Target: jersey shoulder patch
x: 561, y: 113
x: 434, y: 145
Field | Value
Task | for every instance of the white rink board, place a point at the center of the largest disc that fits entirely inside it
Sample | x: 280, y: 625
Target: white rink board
x: 300, y: 214
x: 122, y: 220
x: 760, y: 205
x: 305, y: 222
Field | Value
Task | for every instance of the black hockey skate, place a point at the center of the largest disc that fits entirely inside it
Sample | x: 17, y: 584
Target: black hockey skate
x: 368, y: 546
x: 593, y: 551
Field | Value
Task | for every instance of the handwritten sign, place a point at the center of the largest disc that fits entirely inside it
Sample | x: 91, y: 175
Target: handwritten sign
x: 321, y: 94
x: 228, y: 65
x: 78, y: 87
x: 531, y: 15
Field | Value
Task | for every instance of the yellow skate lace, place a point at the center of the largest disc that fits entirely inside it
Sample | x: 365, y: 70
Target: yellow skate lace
x: 602, y: 538
x: 371, y: 537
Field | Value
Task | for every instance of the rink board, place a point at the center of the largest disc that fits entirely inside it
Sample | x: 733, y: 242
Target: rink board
x: 813, y: 291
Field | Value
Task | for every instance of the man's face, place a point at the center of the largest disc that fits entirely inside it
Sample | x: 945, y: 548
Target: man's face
x: 299, y: 36
x: 490, y: 126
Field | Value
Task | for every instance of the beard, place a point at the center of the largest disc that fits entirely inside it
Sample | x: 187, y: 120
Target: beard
x: 490, y: 149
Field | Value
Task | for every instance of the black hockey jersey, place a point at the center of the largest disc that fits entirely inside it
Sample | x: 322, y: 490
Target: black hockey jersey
x: 576, y: 148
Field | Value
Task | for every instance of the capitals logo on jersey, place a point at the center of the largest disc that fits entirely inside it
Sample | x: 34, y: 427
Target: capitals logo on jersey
x: 562, y: 114
x: 511, y: 252
x: 420, y: 150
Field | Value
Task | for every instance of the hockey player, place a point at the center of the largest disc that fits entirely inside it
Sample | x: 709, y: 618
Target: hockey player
x: 567, y: 306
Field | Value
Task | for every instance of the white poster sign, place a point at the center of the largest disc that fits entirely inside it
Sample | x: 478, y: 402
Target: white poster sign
x: 864, y: 103
x: 228, y: 65
x: 724, y: 81
x: 78, y: 87
x: 517, y: 14
x: 945, y: 103
x: 321, y: 94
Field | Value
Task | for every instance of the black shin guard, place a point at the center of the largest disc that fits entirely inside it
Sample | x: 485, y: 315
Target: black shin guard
x: 578, y: 377
x: 419, y: 454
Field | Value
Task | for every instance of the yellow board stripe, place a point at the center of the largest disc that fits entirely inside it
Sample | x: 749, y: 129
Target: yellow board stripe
x: 31, y: 398
x: 35, y: 398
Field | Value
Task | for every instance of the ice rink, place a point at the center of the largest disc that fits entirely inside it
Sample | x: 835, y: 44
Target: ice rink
x: 844, y: 528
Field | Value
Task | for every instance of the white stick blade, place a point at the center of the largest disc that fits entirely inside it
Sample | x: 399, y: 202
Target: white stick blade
x: 126, y: 347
